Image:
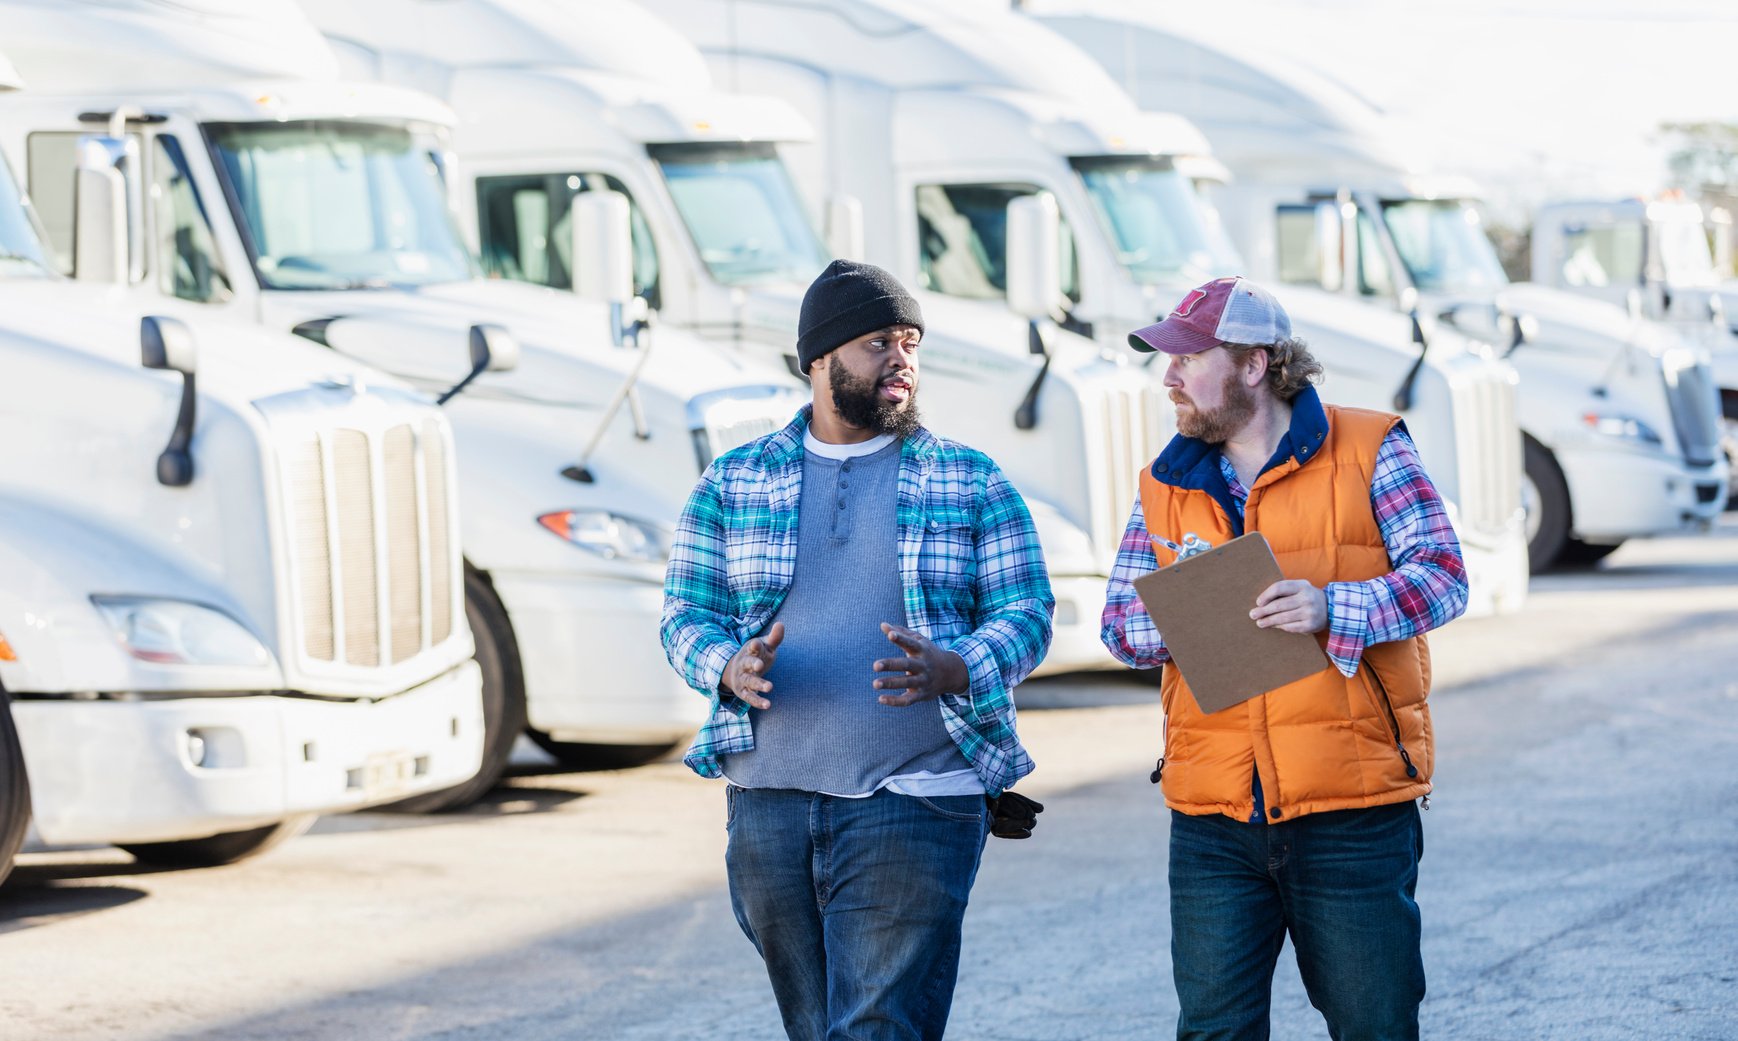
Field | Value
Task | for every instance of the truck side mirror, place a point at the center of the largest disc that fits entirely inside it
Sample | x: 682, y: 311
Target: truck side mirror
x: 1330, y: 256
x: 1033, y: 262
x: 493, y: 349
x: 603, y: 247
x: 167, y: 344
x: 99, y: 211
x: 845, y: 227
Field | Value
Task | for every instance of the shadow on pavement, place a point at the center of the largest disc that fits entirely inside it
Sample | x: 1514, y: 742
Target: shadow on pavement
x: 33, y: 898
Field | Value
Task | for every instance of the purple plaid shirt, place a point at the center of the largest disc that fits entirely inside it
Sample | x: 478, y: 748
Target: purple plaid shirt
x: 1426, y: 589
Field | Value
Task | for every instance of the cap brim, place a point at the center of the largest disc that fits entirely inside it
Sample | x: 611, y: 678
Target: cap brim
x: 1170, y: 337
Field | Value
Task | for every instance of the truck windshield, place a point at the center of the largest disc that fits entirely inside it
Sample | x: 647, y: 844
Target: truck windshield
x: 335, y: 204
x: 1161, y: 231
x: 742, y: 210
x: 20, y: 246
x: 1443, y: 245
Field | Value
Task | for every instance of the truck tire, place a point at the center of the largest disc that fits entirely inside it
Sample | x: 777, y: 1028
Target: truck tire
x: 1729, y: 443
x: 585, y: 755
x: 1545, y: 495
x: 503, y: 701
x: 215, y: 850
x: 14, y: 790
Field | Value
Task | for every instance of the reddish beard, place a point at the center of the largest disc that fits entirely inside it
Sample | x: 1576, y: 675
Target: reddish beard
x: 1216, y: 426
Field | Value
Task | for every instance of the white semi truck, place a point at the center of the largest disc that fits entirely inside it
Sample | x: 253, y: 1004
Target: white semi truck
x: 232, y: 596
x: 1662, y: 258
x: 323, y: 208
x: 937, y: 118
x: 556, y: 102
x: 1619, y: 414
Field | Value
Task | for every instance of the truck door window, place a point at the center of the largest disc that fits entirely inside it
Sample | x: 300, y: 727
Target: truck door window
x: 1297, y: 255
x: 1603, y: 255
x: 52, y: 170
x: 525, y: 224
x: 1374, y: 277
x: 185, y: 252
x: 962, y: 234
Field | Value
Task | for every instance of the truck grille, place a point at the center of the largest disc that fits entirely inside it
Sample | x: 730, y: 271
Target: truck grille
x: 1695, y: 405
x: 726, y: 422
x: 1137, y: 421
x: 371, y: 543
x: 1489, y: 453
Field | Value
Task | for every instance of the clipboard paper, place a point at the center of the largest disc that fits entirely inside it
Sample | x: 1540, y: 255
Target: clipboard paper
x: 1201, y: 606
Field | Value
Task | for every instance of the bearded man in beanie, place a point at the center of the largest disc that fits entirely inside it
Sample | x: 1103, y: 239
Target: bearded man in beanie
x: 857, y: 598
x: 1292, y: 813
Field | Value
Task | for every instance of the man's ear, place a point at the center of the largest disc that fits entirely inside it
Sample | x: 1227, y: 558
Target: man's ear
x: 1256, y: 365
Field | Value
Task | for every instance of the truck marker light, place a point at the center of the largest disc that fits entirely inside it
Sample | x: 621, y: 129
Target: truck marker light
x: 6, y: 651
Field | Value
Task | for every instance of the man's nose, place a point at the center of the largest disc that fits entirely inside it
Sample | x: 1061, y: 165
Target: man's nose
x: 902, y: 356
x: 1172, y: 378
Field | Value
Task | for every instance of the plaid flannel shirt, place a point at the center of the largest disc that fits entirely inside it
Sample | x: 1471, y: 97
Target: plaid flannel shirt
x: 1426, y: 589
x: 969, y: 563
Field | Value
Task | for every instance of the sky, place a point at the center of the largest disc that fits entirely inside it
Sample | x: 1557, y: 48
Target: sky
x: 1535, y: 98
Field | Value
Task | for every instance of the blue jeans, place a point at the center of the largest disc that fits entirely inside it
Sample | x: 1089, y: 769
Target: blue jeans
x: 855, y: 905
x: 1340, y: 883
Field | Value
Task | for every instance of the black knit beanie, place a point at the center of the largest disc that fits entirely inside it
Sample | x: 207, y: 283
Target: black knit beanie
x: 848, y: 301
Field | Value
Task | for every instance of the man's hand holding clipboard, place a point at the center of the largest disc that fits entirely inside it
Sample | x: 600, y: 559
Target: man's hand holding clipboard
x: 1207, y: 607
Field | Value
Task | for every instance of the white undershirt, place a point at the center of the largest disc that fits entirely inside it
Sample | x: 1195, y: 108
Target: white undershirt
x: 827, y: 450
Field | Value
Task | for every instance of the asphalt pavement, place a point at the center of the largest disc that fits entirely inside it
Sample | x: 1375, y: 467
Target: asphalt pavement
x: 1579, y: 878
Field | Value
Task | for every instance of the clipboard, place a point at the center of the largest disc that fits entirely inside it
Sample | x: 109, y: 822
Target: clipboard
x: 1201, y: 606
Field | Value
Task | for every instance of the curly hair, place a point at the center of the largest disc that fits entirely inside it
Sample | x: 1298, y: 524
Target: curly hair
x: 1290, y: 365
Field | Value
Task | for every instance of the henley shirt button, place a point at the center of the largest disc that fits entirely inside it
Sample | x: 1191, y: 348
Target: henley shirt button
x: 1163, y: 467
x: 1276, y: 812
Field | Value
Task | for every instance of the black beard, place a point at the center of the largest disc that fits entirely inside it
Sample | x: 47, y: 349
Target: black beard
x: 860, y: 404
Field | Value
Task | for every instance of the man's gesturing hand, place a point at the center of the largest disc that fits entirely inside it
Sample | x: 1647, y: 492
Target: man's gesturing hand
x: 926, y: 671
x: 1293, y: 605
x: 745, y: 675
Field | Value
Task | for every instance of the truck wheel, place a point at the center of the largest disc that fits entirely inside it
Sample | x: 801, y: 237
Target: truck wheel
x: 503, y: 701
x: 14, y: 790
x: 1545, y: 497
x: 226, y: 848
x: 1729, y: 442
x: 585, y: 755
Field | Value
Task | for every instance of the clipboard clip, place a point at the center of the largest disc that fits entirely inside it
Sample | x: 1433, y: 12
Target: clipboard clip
x: 1193, y: 545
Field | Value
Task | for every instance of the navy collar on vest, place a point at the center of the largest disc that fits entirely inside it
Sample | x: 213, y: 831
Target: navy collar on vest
x: 1188, y: 462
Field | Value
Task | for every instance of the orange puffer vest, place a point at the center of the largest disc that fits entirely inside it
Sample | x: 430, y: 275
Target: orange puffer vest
x: 1325, y: 742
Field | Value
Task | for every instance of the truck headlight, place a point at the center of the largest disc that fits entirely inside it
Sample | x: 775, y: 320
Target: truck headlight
x: 178, y: 632
x: 1626, y: 428
x: 610, y: 535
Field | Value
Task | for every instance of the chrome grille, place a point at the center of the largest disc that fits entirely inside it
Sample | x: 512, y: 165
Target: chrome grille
x: 1695, y: 406
x: 729, y: 422
x: 1490, y: 453
x: 371, y: 542
x: 1135, y: 424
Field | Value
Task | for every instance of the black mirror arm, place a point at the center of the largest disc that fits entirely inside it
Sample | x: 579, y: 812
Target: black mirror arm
x: 1026, y: 415
x: 175, y: 465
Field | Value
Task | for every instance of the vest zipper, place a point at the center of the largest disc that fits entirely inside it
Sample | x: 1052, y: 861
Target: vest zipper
x: 1393, y: 721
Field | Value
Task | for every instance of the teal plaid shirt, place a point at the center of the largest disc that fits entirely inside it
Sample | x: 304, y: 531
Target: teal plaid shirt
x: 969, y: 564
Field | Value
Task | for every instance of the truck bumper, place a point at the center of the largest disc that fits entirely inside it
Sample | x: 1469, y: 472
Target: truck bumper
x: 594, y: 666
x: 184, y: 768
x: 1622, y: 495
x: 1074, y: 642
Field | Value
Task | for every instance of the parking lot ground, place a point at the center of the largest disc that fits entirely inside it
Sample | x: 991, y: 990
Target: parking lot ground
x: 1578, y: 880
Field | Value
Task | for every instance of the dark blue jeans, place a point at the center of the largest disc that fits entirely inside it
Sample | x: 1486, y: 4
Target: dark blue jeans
x: 1340, y: 883
x: 855, y: 905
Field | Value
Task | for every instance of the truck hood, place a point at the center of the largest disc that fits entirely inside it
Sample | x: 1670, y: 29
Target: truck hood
x: 234, y: 359
x: 422, y: 335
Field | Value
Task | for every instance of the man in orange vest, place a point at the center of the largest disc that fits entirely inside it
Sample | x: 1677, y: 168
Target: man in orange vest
x: 1293, y: 812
